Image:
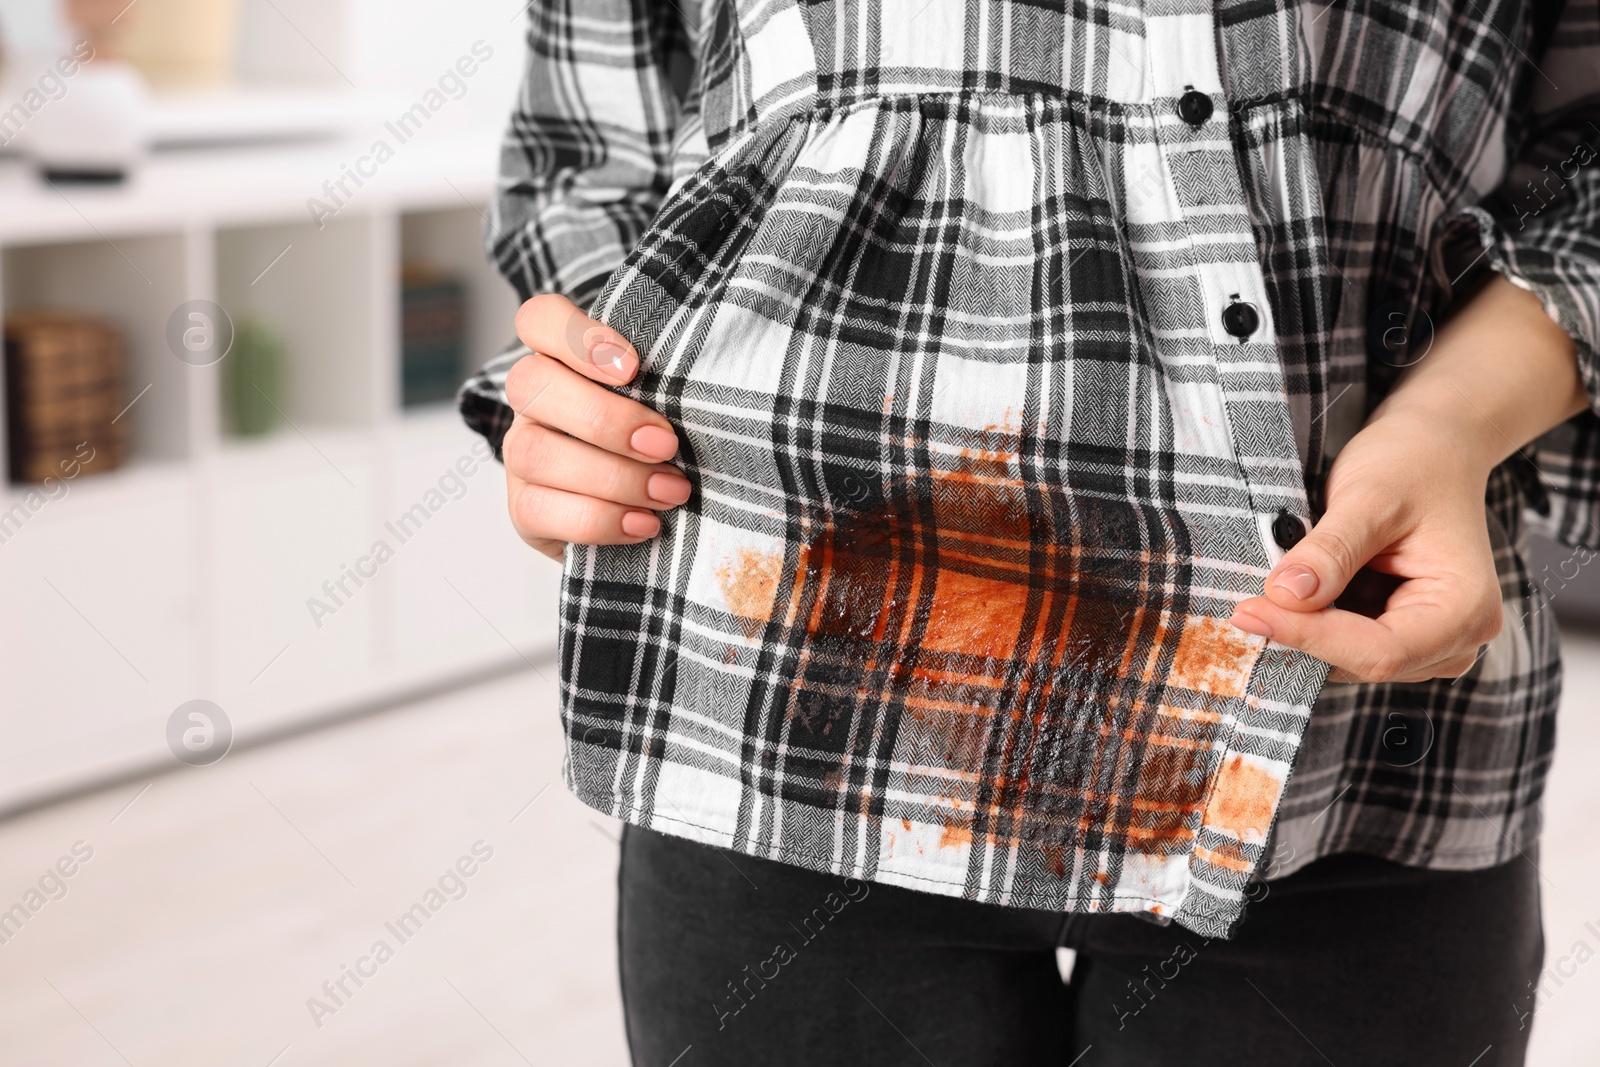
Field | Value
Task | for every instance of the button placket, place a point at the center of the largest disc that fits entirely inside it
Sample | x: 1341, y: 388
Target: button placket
x: 1211, y: 201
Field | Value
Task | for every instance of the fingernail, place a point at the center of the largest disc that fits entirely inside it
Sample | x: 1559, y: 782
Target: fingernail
x: 640, y: 524
x: 1251, y: 625
x: 668, y: 488
x: 654, y: 442
x: 1298, y: 581
x: 613, y: 360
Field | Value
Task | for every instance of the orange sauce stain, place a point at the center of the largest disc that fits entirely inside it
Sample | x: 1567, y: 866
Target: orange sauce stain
x: 1000, y: 626
x: 955, y: 836
x: 1170, y: 788
x: 1243, y: 800
x: 1213, y: 657
x: 977, y: 616
x: 749, y: 581
x: 1157, y: 643
x: 957, y: 822
x: 1229, y: 856
x: 1009, y: 422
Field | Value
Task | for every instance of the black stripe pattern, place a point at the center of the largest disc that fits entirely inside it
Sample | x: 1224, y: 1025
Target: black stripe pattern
x: 996, y: 354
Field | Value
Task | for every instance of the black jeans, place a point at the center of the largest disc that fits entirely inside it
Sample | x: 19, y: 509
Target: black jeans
x: 1353, y: 961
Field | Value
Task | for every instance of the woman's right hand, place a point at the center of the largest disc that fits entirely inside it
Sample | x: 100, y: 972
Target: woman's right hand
x: 583, y: 464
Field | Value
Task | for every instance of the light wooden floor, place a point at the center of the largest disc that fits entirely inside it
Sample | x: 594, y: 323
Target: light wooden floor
x: 218, y: 900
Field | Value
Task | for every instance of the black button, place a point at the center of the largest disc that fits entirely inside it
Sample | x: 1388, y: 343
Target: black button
x: 1287, y: 530
x: 1240, y: 319
x: 1194, y: 107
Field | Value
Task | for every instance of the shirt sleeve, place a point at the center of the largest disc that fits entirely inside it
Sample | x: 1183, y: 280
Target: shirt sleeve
x: 1541, y: 229
x: 586, y: 160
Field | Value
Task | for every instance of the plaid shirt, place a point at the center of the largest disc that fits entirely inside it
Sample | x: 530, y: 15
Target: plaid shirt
x: 1008, y: 344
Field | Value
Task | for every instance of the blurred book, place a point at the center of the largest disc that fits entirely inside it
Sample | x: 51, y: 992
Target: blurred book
x: 65, y: 388
x: 433, y: 316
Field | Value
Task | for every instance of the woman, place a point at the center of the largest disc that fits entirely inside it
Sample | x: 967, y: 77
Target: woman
x: 1038, y: 475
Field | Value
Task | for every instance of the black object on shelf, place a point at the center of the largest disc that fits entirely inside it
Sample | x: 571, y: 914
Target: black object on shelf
x: 432, y: 335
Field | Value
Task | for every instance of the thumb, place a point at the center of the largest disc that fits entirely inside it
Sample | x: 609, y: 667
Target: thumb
x: 1313, y: 573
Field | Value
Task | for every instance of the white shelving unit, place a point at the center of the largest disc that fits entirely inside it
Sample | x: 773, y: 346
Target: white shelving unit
x: 186, y: 574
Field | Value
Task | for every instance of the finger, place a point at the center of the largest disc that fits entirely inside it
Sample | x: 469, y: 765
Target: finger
x: 558, y: 397
x: 544, y: 457
x: 548, y: 546
x: 542, y: 514
x: 1458, y: 666
x: 1314, y: 572
x: 1452, y: 667
x: 1392, y: 647
x: 556, y: 327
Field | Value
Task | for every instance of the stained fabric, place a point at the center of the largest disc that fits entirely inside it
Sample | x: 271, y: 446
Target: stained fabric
x: 1002, y: 367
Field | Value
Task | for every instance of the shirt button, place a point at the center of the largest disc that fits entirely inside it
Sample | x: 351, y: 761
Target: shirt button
x: 1194, y: 107
x: 1240, y: 319
x: 1287, y: 530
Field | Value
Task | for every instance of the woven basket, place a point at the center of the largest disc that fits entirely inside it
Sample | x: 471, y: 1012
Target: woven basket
x: 64, y: 386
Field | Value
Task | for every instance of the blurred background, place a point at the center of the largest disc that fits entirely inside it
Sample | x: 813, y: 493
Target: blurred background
x: 241, y: 273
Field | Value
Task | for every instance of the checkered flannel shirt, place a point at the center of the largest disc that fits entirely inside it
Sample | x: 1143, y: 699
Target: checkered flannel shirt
x: 1008, y: 343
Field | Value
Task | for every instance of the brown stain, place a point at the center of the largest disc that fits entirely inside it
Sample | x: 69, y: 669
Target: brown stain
x: 1171, y: 787
x: 927, y: 600
x: 1243, y: 800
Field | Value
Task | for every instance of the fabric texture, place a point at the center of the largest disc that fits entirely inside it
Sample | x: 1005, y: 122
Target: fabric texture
x: 1006, y: 343
x: 1353, y: 960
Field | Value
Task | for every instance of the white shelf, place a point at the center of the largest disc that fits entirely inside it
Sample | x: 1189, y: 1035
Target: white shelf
x: 244, y: 186
x: 237, y: 116
x: 187, y: 574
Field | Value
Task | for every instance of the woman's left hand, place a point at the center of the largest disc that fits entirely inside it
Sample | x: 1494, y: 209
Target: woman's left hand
x: 1402, y: 503
x: 1396, y: 582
